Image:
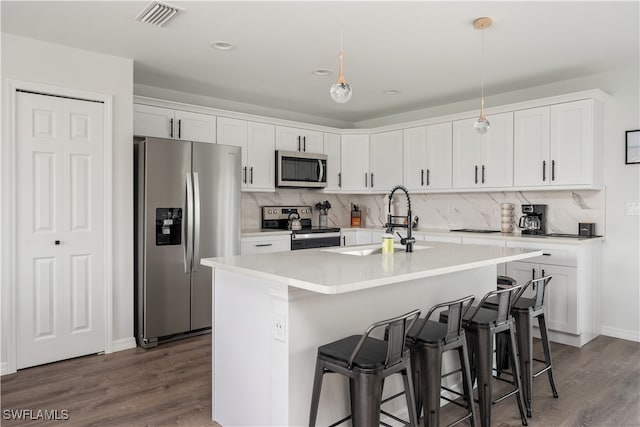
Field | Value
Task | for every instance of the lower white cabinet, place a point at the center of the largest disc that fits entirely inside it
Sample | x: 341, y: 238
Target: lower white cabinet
x: 561, y: 303
x: 573, y: 297
x: 265, y: 244
x: 348, y: 238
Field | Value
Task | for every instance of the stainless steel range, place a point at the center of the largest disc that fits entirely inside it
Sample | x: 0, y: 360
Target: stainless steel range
x: 308, y: 236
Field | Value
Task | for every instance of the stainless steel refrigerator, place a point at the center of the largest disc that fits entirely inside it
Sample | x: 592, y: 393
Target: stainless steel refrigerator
x: 187, y: 208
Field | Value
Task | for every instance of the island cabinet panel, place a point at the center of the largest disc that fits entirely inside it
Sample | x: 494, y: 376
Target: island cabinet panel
x: 162, y: 122
x: 274, y: 371
x: 385, y: 151
x: 483, y: 160
x: 354, y: 153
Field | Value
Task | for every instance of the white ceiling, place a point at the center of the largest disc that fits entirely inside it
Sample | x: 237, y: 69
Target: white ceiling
x: 427, y: 50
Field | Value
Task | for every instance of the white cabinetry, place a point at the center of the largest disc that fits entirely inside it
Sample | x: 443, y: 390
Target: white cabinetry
x: 332, y: 150
x: 354, y: 153
x: 572, y: 301
x: 483, y: 160
x: 176, y: 124
x: 265, y: 244
x: 292, y: 139
x: 385, y: 154
x: 427, y: 157
x: 258, y: 147
x: 348, y: 238
x: 554, y: 145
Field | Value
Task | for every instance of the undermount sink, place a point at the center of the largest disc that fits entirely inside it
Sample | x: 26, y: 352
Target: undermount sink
x: 367, y: 250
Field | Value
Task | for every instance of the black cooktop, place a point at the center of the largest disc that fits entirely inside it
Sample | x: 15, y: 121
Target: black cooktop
x: 317, y: 229
x: 473, y: 230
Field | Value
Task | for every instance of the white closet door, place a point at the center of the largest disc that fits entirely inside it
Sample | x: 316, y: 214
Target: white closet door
x: 60, y: 228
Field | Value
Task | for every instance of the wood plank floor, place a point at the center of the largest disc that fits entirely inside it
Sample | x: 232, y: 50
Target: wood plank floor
x: 170, y: 385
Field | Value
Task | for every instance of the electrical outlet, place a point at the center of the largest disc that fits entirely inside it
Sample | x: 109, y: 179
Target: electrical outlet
x: 632, y: 209
x: 279, y: 326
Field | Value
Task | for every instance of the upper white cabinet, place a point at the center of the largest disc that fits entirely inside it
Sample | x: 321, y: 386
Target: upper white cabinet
x: 292, y: 139
x: 427, y: 157
x: 258, y: 147
x: 176, y: 124
x: 332, y: 150
x: 554, y: 145
x: 354, y: 153
x: 385, y: 164
x: 483, y: 160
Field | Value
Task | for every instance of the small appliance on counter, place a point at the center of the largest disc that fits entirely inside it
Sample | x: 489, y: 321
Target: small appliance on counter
x: 532, y: 221
x: 356, y: 216
x: 587, y: 229
x: 303, y: 235
x: 506, y: 217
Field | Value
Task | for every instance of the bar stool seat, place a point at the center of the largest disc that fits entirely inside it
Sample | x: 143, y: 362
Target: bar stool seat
x: 367, y: 361
x: 524, y: 311
x: 428, y: 341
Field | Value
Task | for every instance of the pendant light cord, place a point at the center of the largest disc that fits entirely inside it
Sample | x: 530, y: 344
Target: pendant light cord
x: 482, y: 72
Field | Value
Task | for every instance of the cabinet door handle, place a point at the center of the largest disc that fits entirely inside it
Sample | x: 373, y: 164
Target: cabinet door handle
x: 372, y: 180
x: 56, y: 242
x: 179, y: 129
x: 170, y: 128
x: 344, y: 240
x: 244, y: 179
x: 299, y: 143
x: 544, y: 170
x: 262, y: 245
x: 476, y: 176
x: 428, y: 177
x: 366, y: 180
x: 421, y: 176
x: 546, y: 254
x: 251, y: 175
x: 542, y: 273
x: 553, y: 170
x: 304, y: 143
x: 533, y: 273
x: 483, y: 174
x: 340, y: 179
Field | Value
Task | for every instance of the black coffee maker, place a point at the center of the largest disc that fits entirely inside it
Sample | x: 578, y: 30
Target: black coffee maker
x: 533, y: 219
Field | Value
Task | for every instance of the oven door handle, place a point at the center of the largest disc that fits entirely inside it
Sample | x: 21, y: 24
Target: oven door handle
x: 298, y: 236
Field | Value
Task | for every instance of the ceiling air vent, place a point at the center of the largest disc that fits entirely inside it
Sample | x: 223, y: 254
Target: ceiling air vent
x: 157, y: 13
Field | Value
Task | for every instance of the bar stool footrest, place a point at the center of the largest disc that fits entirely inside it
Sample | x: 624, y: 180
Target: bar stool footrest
x: 505, y: 396
x: 347, y: 418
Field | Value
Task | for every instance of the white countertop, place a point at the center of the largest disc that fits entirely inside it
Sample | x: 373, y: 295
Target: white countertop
x: 515, y: 236
x: 329, y: 272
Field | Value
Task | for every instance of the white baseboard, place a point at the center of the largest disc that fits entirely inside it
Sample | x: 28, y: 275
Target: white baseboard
x: 4, y: 369
x: 625, y: 334
x: 124, y: 344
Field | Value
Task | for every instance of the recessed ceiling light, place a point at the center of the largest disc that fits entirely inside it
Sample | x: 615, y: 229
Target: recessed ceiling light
x: 392, y: 92
x: 322, y: 72
x: 222, y: 45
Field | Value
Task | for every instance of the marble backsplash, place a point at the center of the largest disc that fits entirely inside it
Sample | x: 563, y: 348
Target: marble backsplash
x: 565, y: 209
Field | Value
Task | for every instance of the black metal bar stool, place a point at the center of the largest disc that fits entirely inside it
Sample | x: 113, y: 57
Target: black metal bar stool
x: 428, y: 341
x: 367, y: 361
x: 481, y: 324
x: 524, y: 311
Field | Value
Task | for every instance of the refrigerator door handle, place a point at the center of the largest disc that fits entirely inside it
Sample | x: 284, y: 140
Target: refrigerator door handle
x: 196, y: 223
x: 188, y: 244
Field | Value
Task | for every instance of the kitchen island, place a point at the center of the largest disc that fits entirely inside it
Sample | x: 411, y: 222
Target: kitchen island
x: 272, y: 311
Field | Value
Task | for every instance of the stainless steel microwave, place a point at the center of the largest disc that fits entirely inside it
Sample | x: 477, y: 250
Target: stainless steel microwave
x: 300, y: 169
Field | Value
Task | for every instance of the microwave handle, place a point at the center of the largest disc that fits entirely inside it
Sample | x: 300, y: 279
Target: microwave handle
x: 321, y: 174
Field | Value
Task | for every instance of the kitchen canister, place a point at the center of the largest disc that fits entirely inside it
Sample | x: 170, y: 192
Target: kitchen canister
x: 506, y: 217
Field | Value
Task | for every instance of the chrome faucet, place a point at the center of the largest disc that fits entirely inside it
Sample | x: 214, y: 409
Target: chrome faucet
x: 407, y: 241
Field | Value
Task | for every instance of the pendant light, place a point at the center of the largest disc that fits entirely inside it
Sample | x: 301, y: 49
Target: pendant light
x: 482, y: 125
x: 341, y: 90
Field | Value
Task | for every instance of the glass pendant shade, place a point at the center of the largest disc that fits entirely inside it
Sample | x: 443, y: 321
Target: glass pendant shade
x: 341, y: 92
x: 482, y: 125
